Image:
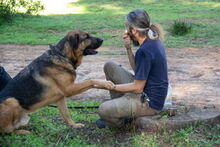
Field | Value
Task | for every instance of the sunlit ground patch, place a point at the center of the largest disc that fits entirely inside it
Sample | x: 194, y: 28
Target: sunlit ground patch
x: 61, y: 7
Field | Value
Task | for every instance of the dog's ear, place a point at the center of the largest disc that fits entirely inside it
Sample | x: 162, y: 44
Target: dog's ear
x: 74, y: 41
x: 51, y: 46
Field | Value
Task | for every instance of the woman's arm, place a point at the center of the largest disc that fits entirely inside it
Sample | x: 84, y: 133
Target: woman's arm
x: 131, y: 58
x: 136, y: 87
x: 127, y: 44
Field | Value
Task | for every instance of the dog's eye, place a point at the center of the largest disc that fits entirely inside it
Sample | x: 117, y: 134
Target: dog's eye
x: 87, y: 36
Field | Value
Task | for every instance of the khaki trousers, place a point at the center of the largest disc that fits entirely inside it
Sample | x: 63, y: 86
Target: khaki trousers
x: 122, y: 106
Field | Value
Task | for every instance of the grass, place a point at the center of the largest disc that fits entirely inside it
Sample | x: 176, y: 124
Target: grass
x: 106, y: 19
x: 48, y: 129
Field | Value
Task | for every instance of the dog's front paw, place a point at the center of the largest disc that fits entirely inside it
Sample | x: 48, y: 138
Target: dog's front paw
x: 109, y: 85
x: 104, y: 84
x: 77, y: 125
x: 22, y: 132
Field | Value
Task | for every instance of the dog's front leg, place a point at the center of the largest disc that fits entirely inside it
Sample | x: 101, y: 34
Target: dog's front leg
x: 66, y: 115
x: 77, y: 88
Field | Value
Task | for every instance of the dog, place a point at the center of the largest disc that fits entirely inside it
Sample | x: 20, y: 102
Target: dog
x: 49, y: 79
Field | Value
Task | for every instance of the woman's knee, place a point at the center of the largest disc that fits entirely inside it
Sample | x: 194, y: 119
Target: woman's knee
x: 105, y: 109
x: 109, y: 66
x: 102, y: 110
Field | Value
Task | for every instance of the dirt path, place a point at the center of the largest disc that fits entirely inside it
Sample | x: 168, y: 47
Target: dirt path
x: 193, y: 72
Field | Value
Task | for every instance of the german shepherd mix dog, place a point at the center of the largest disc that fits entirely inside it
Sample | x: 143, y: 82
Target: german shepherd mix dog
x: 48, y: 80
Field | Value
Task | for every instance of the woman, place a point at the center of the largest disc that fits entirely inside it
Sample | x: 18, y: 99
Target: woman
x: 143, y: 93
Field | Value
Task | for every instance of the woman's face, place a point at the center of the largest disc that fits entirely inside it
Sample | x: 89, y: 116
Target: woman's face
x: 133, y: 38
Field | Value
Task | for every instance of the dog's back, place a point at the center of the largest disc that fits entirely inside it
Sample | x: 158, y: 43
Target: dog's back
x: 24, y: 87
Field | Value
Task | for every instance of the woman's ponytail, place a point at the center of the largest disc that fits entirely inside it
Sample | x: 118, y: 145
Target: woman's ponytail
x: 155, y: 32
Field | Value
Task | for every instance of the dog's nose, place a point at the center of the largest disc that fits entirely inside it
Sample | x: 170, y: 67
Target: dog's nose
x: 100, y: 40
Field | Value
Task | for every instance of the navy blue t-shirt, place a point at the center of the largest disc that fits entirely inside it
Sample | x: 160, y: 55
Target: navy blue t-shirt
x: 151, y: 65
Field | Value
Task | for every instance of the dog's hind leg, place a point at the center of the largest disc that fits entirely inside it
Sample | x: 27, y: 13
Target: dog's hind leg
x: 23, y: 121
x: 12, y: 117
x: 61, y: 104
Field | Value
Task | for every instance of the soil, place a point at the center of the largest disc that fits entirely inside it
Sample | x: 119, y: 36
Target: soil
x: 194, y: 73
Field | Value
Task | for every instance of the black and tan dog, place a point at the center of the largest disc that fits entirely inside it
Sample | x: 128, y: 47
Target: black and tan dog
x: 48, y: 80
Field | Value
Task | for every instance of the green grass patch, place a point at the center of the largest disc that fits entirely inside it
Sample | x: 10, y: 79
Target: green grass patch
x: 106, y: 19
x: 48, y: 129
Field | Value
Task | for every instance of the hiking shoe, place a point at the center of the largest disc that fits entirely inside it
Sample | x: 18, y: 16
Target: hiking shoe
x: 100, y: 123
x: 128, y: 120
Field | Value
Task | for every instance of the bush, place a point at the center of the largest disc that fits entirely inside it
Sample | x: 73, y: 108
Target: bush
x: 8, y: 8
x: 180, y: 27
x: 31, y: 6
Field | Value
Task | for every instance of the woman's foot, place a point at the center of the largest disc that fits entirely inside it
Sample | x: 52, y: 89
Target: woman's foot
x: 100, y: 123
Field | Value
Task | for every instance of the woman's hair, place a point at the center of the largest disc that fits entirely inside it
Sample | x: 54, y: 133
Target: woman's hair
x: 140, y: 20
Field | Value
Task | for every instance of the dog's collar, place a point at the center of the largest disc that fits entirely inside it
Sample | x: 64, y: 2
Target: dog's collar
x: 56, y: 52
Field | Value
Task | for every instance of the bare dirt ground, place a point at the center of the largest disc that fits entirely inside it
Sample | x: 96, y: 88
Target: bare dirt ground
x: 194, y: 73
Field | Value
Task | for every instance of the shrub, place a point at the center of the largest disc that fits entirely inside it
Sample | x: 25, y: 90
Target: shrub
x: 180, y: 27
x: 31, y: 6
x: 8, y: 8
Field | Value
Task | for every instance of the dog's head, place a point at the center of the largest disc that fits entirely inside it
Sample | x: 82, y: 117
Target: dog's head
x: 83, y: 43
x: 78, y: 44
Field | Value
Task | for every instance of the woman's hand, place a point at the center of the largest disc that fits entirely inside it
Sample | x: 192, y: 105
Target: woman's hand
x: 127, y: 40
x: 103, y: 84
